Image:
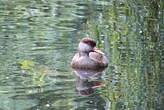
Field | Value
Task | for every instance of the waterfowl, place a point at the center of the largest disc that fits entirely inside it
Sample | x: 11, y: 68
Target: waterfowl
x: 89, y: 56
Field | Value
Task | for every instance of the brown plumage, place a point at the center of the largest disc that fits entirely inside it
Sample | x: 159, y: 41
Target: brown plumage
x: 89, y: 56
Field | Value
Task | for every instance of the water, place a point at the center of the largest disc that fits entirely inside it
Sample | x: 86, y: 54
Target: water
x: 39, y: 38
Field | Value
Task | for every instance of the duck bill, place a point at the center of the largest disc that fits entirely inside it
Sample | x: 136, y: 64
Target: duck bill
x: 98, y: 51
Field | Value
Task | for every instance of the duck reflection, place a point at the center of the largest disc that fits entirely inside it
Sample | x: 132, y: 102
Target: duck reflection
x: 88, y: 80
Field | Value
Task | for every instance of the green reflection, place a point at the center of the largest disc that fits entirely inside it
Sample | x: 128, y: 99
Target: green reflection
x: 38, y: 39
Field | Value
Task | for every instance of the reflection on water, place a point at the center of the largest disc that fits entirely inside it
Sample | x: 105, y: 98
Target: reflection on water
x: 84, y: 84
x: 39, y: 38
x: 86, y: 87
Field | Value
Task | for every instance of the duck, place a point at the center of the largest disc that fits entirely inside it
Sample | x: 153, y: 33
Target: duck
x: 89, y: 56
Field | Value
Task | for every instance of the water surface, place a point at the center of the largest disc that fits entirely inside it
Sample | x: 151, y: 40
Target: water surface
x: 39, y: 38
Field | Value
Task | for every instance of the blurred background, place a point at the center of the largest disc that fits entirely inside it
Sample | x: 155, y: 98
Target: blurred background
x: 38, y: 39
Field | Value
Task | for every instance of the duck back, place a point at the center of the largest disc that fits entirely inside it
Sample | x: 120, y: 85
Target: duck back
x: 92, y: 61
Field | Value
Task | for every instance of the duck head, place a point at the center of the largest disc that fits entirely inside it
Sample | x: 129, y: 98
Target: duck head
x: 88, y: 45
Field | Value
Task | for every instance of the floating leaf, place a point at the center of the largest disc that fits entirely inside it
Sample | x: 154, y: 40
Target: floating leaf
x: 27, y: 65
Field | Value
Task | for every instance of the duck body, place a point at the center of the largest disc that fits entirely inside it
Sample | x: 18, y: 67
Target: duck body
x: 89, y: 56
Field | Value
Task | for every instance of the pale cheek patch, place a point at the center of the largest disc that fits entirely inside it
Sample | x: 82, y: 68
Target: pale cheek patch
x: 84, y: 47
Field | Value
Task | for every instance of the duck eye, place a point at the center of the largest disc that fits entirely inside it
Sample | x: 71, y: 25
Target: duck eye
x: 90, y: 43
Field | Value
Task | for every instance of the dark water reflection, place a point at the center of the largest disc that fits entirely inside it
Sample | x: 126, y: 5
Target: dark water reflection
x: 38, y: 39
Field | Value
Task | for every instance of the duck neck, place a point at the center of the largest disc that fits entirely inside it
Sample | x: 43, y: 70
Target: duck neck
x: 84, y: 53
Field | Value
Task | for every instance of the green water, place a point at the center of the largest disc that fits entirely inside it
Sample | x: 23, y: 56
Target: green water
x: 39, y: 38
